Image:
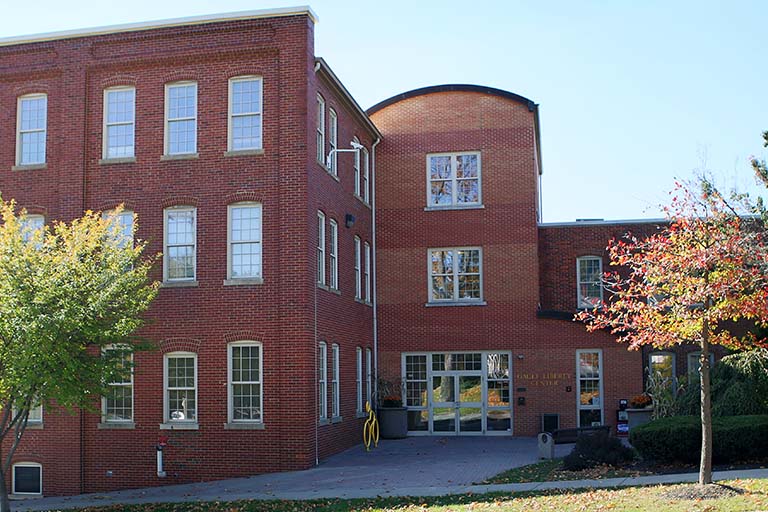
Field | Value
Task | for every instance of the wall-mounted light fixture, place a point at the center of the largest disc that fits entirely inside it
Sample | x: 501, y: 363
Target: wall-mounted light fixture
x: 349, y: 220
x: 356, y: 147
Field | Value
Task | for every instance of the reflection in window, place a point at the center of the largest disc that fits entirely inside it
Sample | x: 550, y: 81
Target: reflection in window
x: 589, y: 271
x: 589, y: 384
x: 454, y: 179
x: 455, y: 274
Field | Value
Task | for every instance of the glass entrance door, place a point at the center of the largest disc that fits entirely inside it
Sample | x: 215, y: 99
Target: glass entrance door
x: 457, y: 403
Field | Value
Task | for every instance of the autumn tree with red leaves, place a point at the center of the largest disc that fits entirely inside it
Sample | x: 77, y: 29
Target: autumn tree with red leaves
x: 706, y: 268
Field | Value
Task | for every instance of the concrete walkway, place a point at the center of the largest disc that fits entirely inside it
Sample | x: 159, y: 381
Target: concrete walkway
x: 417, y: 466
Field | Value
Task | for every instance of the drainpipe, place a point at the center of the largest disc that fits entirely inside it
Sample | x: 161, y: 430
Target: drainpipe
x: 372, y: 183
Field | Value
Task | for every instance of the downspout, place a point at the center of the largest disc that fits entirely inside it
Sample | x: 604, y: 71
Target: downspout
x: 317, y: 385
x: 373, y: 260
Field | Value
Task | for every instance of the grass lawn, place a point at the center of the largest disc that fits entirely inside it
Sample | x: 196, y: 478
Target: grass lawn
x: 755, y: 497
x: 552, y: 470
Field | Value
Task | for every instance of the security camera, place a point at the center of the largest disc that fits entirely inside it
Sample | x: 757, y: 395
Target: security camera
x: 356, y: 145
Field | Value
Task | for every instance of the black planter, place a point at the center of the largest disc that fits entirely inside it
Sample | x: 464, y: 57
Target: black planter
x: 393, y: 422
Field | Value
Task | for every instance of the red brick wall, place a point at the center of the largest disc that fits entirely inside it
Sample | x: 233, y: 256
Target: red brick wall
x: 278, y: 313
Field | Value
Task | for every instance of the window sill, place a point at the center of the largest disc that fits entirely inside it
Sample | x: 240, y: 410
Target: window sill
x: 454, y: 207
x: 180, y: 426
x: 253, y: 425
x: 116, y: 425
x: 363, y: 302
x: 455, y: 303
x: 323, y: 422
x: 183, y: 156
x: 335, y: 291
x: 243, y: 281
x: 244, y: 152
x: 29, y: 167
x: 20, y: 497
x: 360, y: 414
x: 323, y: 287
x: 35, y: 426
x: 179, y: 284
x: 115, y: 161
x: 365, y: 203
x: 337, y: 419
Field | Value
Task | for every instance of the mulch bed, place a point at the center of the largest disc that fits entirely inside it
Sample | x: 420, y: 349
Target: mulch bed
x: 701, y: 492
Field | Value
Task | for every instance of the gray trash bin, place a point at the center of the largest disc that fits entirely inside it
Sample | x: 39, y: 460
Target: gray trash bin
x: 546, y: 446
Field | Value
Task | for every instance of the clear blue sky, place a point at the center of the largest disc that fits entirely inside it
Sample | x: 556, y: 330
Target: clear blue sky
x: 632, y: 94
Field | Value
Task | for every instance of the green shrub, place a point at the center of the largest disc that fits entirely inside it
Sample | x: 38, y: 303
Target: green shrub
x: 734, y: 439
x: 597, y: 448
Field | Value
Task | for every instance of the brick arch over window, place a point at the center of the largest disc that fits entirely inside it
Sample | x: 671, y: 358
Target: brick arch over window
x: 118, y: 80
x: 33, y: 209
x: 243, y: 335
x: 237, y: 71
x: 181, y: 76
x: 29, y: 457
x: 243, y: 196
x: 111, y: 204
x: 180, y: 345
x: 180, y: 201
x: 35, y: 88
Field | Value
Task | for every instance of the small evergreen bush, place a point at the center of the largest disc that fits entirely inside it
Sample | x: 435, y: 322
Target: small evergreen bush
x: 678, y: 439
x: 597, y: 448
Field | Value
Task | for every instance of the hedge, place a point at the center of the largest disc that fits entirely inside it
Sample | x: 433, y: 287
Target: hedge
x: 734, y: 439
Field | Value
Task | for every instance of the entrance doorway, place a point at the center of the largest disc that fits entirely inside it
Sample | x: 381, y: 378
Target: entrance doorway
x: 458, y: 393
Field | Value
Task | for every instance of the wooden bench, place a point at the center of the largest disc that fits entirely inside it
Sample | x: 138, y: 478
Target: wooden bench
x: 569, y: 435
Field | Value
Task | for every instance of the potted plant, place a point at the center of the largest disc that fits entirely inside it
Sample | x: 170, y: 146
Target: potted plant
x: 393, y: 417
x: 640, y: 410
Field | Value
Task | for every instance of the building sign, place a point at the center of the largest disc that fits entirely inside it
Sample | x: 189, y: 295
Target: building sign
x: 544, y: 379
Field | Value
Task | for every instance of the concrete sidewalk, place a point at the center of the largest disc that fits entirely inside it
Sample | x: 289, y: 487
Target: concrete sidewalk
x: 422, y: 466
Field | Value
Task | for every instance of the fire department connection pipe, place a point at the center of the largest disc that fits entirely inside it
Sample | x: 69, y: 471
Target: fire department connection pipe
x: 160, y: 471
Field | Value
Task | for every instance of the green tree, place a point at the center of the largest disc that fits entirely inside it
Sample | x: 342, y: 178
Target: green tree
x: 67, y: 292
x: 707, y: 267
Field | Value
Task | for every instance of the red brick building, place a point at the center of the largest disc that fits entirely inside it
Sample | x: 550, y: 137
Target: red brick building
x: 245, y: 161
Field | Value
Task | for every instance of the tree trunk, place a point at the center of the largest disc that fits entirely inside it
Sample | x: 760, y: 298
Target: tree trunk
x: 5, y: 502
x: 705, y: 468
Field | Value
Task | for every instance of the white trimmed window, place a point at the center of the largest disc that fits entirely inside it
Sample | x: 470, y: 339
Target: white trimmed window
x: 662, y: 366
x: 335, y: 389
x: 589, y: 271
x: 35, y: 415
x: 180, y: 247
x: 32, y: 128
x: 119, y: 122
x: 358, y: 269
x: 333, y: 255
x: 180, y: 387
x: 181, y: 118
x: 368, y: 376
x: 122, y: 229
x: 27, y: 479
x: 245, y: 107
x: 366, y: 192
x: 322, y: 380
x: 245, y: 382
x: 589, y: 387
x: 320, y: 130
x: 30, y: 224
x: 356, y: 166
x: 455, y: 274
x: 453, y: 179
x: 117, y: 404
x: 333, y: 135
x: 694, y: 361
x: 359, y: 379
x: 244, y: 249
x: 320, y: 248
x: 367, y: 272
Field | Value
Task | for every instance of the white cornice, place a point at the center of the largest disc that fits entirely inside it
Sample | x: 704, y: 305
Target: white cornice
x: 175, y: 22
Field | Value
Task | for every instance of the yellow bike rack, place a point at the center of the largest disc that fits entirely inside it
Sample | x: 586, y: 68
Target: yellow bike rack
x: 370, y: 429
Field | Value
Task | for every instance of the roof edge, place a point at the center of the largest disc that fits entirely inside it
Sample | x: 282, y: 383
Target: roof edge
x: 172, y: 22
x: 452, y: 88
x: 600, y: 222
x: 345, y: 94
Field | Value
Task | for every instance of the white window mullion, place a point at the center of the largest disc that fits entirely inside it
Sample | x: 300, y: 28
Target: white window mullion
x: 320, y: 248
x: 335, y: 390
x: 333, y: 255
x: 333, y: 128
x: 358, y: 268
x: 367, y: 272
x: 322, y: 380
x: 180, y: 243
x: 181, y: 387
x: 368, y: 376
x: 245, y: 113
x: 32, y: 129
x: 245, y: 382
x: 119, y: 122
x: 359, y: 377
x: 181, y: 118
x: 320, y: 130
x: 245, y: 245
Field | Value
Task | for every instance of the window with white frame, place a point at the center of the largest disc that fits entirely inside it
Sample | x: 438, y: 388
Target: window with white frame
x: 181, y: 387
x: 453, y: 179
x: 662, y: 367
x: 320, y: 248
x: 589, y: 382
x: 122, y: 229
x: 366, y: 162
x: 119, y: 122
x: 694, y: 361
x: 589, y: 271
x: 27, y: 478
x: 181, y: 118
x: 368, y: 376
x: 358, y: 269
x: 367, y: 272
x: 245, y: 382
x: 356, y: 167
x: 35, y: 414
x: 455, y: 274
x: 333, y: 135
x: 333, y: 255
x: 179, y: 253
x: 359, y: 379
x: 335, y: 390
x: 320, y: 130
x: 322, y: 380
x: 30, y: 224
x: 245, y: 106
x: 32, y: 128
x: 117, y: 404
x: 245, y: 251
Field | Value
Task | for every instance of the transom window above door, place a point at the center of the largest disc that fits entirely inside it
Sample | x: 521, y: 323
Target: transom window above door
x: 453, y: 180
